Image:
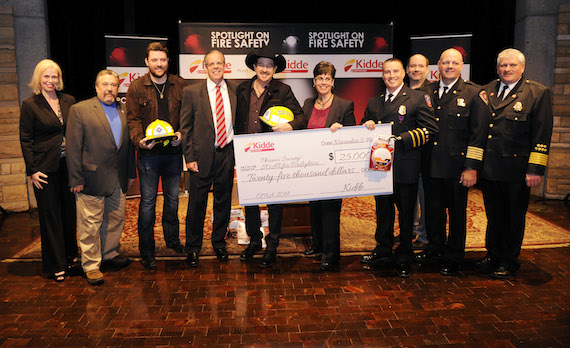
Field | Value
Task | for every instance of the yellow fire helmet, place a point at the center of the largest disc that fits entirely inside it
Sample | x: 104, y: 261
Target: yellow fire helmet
x: 161, y: 132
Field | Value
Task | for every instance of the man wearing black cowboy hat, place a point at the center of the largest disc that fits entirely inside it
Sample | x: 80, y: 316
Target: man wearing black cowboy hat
x: 255, y: 96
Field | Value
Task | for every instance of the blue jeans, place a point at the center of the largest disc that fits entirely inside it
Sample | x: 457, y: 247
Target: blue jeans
x: 167, y: 167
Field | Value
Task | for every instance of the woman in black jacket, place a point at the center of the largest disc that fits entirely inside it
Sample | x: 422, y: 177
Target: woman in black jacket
x: 326, y: 110
x: 43, y: 118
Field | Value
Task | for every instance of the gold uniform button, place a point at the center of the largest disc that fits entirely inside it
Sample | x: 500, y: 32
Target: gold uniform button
x: 439, y: 107
x: 458, y: 115
x: 493, y: 114
x: 435, y: 143
x: 491, y: 125
x: 489, y: 136
x: 437, y: 118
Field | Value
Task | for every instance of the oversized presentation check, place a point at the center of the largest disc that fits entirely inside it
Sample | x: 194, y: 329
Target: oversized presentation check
x: 305, y: 165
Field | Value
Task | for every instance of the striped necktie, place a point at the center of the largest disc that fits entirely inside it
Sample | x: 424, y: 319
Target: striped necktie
x: 221, y: 134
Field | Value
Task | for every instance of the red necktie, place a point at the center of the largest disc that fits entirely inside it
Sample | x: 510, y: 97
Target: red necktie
x: 221, y: 136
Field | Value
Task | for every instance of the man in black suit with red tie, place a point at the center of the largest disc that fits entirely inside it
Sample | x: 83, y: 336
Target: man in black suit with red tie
x: 206, y: 122
x: 410, y: 114
x: 514, y: 160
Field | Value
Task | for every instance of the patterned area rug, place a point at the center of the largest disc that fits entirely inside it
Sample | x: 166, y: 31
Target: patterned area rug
x: 358, y: 223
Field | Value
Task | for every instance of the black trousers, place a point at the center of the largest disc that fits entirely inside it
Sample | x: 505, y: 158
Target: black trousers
x: 506, y: 204
x: 58, y: 221
x: 325, y: 228
x: 443, y: 197
x: 221, y: 176
x: 404, y: 198
x: 253, y: 224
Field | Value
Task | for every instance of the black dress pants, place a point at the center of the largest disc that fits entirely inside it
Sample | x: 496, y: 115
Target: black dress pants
x: 325, y: 228
x: 446, y: 197
x: 404, y: 198
x: 58, y: 221
x: 506, y: 204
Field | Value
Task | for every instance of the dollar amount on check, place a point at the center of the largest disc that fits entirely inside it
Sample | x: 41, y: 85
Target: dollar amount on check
x: 305, y: 165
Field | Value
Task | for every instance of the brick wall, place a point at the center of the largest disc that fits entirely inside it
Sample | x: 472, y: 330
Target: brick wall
x: 13, y: 186
x: 558, y: 173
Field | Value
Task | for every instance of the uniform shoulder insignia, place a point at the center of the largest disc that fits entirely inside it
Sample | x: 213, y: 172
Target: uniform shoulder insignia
x: 428, y: 100
x: 483, y: 96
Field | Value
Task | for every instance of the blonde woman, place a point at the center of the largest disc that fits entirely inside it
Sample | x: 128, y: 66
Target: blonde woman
x: 43, y: 118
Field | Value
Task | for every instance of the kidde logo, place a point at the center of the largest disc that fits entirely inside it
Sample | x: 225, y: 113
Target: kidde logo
x: 297, y: 66
x: 363, y: 65
x: 194, y: 65
x: 259, y: 146
x: 126, y: 78
x: 198, y: 63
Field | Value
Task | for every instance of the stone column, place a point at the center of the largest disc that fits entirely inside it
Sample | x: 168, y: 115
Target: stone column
x: 558, y: 173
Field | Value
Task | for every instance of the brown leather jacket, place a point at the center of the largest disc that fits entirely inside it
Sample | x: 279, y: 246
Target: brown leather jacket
x: 142, y: 105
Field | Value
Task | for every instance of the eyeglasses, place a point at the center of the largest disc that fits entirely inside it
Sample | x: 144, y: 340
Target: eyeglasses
x: 327, y: 79
x: 213, y: 64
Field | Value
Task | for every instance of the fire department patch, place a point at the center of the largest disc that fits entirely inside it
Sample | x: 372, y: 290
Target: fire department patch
x: 483, y: 95
x: 428, y: 100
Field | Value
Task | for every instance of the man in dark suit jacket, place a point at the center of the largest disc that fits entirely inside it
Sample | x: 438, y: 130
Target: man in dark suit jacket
x: 100, y: 160
x: 410, y: 114
x: 514, y: 160
x: 206, y: 123
x: 451, y: 160
x: 254, y: 98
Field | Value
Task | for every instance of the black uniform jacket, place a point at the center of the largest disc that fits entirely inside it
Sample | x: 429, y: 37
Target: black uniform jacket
x: 519, y: 134
x: 463, y: 119
x: 278, y: 94
x: 417, y: 126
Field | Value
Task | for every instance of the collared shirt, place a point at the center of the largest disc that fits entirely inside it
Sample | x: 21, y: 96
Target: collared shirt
x: 211, y: 86
x: 509, y: 89
x: 255, y: 103
x: 393, y: 94
x: 449, y: 87
x: 114, y: 119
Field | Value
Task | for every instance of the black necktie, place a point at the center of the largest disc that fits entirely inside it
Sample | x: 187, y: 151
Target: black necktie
x: 390, y: 98
x: 444, y: 91
x: 502, y: 94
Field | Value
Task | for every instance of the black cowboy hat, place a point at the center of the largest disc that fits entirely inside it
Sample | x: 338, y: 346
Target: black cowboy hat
x: 278, y: 59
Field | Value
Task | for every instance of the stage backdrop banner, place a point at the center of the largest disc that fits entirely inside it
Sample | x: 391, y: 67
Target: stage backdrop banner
x: 432, y: 47
x: 314, y: 164
x: 125, y: 56
x: 356, y: 50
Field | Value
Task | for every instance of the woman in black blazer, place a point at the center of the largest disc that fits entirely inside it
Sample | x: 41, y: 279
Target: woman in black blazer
x: 43, y: 117
x: 331, y: 111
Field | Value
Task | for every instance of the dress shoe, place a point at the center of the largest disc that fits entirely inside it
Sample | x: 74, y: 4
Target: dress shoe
x: 221, y: 254
x: 118, y: 261
x: 179, y: 248
x: 329, y: 266
x: 376, y: 257
x: 310, y: 252
x: 95, y: 277
x: 427, y: 255
x: 268, y: 258
x: 449, y: 269
x: 501, y: 272
x: 249, y: 252
x: 404, y: 269
x: 192, y: 260
x: 148, y: 262
x: 486, y: 264
x: 58, y: 276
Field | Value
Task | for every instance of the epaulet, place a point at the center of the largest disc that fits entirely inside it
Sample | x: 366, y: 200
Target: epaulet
x: 471, y: 83
x: 535, y: 83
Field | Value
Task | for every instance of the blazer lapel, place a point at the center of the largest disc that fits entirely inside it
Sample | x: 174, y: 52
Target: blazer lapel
x: 233, y: 102
x: 124, y: 128
x: 100, y: 115
x: 333, y: 111
x: 205, y: 100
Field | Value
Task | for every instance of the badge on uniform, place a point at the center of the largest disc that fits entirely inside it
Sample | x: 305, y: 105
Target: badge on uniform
x: 518, y: 106
x: 461, y: 102
x: 428, y: 100
x: 402, y: 110
x: 483, y: 96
